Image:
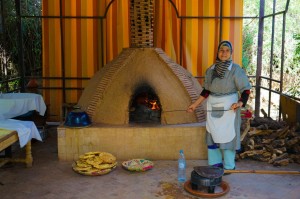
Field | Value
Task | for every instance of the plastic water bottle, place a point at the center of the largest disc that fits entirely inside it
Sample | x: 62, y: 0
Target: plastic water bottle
x: 181, y: 167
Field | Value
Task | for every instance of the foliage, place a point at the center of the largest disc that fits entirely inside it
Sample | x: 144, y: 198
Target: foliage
x: 248, y: 54
x: 9, y: 46
x: 297, y: 49
x: 32, y: 37
x: 9, y: 41
x: 294, y: 90
x: 272, y: 58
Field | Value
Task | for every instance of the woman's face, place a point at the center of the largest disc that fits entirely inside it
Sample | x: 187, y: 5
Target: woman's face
x: 224, y: 53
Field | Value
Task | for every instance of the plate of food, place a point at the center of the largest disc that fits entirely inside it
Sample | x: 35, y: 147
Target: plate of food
x: 138, y: 165
x: 95, y: 163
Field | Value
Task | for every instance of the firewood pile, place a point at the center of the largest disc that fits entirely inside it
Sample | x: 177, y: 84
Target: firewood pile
x: 265, y: 139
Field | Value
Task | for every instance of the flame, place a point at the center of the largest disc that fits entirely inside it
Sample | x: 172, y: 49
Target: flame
x: 154, y: 105
x: 151, y: 103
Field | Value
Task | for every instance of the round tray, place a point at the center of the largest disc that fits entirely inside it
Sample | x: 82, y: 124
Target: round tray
x: 94, y: 172
x: 138, y: 165
x: 224, y: 185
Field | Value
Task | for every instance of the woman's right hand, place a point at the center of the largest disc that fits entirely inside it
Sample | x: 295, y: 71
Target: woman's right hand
x: 191, y: 108
x: 194, y: 105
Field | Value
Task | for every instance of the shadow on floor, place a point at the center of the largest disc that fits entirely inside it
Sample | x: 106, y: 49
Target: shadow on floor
x: 50, y: 178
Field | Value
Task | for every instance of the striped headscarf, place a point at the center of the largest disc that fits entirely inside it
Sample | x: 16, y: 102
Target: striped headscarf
x: 221, y: 66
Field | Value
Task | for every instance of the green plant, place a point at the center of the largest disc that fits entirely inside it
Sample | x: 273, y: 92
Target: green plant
x: 247, y: 54
x: 297, y: 49
x: 294, y: 68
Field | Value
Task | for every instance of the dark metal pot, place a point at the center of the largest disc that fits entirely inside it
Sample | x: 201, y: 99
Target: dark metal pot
x: 206, y: 176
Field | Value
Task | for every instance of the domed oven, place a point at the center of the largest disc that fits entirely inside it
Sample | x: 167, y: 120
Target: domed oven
x: 142, y: 80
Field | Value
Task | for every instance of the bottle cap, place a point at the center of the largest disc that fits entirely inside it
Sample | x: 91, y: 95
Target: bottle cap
x: 181, y: 151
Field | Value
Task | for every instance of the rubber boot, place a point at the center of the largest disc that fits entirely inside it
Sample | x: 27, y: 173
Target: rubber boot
x: 229, y: 159
x: 214, y: 157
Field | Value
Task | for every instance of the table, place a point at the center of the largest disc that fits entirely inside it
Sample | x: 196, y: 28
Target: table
x: 16, y: 104
x: 7, y: 138
x: 12, y: 131
x: 26, y: 130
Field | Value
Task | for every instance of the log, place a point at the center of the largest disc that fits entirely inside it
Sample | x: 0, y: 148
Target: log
x: 261, y: 158
x: 264, y: 113
x: 267, y: 123
x: 263, y: 127
x: 279, y: 158
x: 293, y: 141
x: 278, y: 143
x: 293, y: 133
x: 279, y: 150
x: 280, y: 133
x: 282, y: 162
x: 257, y: 132
x: 251, y: 153
x: 295, y: 149
x: 267, y: 141
x: 250, y: 144
x: 295, y: 157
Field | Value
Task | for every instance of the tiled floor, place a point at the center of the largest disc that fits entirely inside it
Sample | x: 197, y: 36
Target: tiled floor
x: 49, y: 178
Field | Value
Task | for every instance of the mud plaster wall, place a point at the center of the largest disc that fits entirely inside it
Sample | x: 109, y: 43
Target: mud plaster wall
x: 108, y: 94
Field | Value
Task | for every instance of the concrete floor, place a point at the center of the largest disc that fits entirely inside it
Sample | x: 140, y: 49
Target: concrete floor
x: 52, y: 179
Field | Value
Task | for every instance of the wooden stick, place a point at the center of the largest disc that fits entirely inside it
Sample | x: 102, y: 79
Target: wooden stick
x: 263, y: 172
x: 245, y: 132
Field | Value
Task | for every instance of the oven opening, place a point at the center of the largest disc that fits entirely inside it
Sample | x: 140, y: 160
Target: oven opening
x: 144, y: 106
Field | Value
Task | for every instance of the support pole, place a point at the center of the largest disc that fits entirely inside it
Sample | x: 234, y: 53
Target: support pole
x: 263, y: 172
x: 259, y: 56
x: 21, y: 66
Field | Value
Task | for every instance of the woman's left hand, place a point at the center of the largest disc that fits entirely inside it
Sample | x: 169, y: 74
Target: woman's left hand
x: 235, y: 106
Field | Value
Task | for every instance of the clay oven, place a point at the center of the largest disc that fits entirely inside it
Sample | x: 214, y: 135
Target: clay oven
x: 109, y: 96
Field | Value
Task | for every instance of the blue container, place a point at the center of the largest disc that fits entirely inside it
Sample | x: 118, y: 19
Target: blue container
x: 77, y: 118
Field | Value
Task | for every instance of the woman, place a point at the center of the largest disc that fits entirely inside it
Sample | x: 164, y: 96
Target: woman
x: 224, y: 82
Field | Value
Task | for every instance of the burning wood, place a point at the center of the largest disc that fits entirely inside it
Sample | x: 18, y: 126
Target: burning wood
x: 270, y: 141
x: 154, y: 105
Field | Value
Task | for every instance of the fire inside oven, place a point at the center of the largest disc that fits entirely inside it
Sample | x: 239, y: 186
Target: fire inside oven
x: 145, y: 106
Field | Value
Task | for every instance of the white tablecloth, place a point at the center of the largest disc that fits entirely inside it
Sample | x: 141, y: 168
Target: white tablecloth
x: 26, y: 130
x: 16, y: 104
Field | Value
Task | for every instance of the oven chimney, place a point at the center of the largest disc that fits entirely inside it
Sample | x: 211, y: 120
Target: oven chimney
x: 141, y: 23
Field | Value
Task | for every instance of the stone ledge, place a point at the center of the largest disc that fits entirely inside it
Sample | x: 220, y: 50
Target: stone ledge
x: 161, y: 142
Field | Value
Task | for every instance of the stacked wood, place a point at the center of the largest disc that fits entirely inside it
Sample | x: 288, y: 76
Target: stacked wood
x: 267, y: 140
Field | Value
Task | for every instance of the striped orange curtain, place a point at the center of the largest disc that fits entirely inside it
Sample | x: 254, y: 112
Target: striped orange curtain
x: 78, y: 41
x: 81, y: 36
x: 116, y: 29
x: 52, y: 57
x: 195, y: 47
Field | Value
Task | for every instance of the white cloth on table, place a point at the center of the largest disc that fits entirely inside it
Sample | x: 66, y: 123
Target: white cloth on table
x: 16, y: 104
x: 26, y: 130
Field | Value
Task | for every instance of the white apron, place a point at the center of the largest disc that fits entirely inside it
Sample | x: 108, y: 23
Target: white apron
x: 220, y: 124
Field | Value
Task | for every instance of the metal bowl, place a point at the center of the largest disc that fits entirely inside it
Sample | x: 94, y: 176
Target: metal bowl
x: 77, y: 118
